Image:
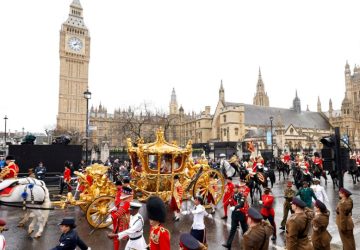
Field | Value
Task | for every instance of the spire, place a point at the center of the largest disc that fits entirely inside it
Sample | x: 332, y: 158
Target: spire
x: 76, y: 4
x: 173, y: 96
x: 318, y: 105
x: 261, y: 98
x: 297, y: 103
x: 260, y: 85
x: 221, y: 92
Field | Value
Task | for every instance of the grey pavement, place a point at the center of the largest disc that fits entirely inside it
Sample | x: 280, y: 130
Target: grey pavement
x: 217, y: 229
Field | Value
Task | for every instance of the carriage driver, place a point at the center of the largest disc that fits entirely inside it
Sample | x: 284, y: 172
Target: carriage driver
x: 9, y: 173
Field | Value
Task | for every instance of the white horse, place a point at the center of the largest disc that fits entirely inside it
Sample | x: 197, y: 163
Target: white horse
x: 227, y: 168
x: 33, y: 194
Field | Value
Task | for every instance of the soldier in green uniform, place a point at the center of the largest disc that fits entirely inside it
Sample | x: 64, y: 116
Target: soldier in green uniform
x: 344, y: 221
x: 289, y: 194
x: 259, y: 232
x: 298, y: 226
x: 306, y: 194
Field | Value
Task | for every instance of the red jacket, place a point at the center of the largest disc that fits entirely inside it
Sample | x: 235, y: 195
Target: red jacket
x: 267, y: 208
x: 67, y: 175
x: 287, y: 158
x: 14, y: 170
x: 229, y: 192
x: 318, y: 161
x: 245, y: 190
x: 159, y: 238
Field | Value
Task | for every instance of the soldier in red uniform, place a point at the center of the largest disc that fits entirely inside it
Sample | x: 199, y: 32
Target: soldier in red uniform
x: 267, y: 210
x: 120, y: 213
x: 287, y: 158
x: 67, y: 178
x: 8, y: 173
x: 176, y: 198
x: 159, y: 236
x: 228, y: 195
x: 243, y: 189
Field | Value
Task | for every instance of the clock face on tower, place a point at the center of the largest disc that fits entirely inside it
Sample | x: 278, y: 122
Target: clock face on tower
x: 75, y: 44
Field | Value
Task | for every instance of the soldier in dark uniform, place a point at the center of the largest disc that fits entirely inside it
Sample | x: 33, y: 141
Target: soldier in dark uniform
x: 298, y: 226
x: 238, y: 215
x: 259, y: 232
x: 69, y: 238
x: 320, y: 237
x: 344, y: 221
x: 189, y: 242
x: 289, y: 194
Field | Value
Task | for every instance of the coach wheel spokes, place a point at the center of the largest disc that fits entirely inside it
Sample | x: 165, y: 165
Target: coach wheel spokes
x: 97, y: 213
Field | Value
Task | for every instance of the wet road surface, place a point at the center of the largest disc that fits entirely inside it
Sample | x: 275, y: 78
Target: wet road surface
x: 217, y: 229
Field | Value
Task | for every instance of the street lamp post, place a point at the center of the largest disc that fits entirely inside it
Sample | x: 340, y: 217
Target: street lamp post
x: 271, y: 133
x: 347, y: 134
x: 5, y: 119
x: 87, y: 96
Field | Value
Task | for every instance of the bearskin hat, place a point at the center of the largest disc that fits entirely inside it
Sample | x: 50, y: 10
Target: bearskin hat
x: 156, y: 209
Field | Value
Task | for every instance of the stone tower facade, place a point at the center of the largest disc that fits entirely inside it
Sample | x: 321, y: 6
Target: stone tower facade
x: 74, y: 65
x: 173, y: 107
x: 297, y: 103
x: 261, y: 98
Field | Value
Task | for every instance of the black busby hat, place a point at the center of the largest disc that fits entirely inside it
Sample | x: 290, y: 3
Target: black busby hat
x: 156, y: 209
x: 316, y: 154
x: 189, y: 241
x: 68, y: 221
x: 298, y: 202
x: 118, y: 183
x: 254, y: 214
x: 229, y: 178
x: 10, y: 158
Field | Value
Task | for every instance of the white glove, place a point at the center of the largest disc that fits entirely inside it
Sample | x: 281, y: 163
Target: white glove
x: 210, y: 216
x: 112, y: 209
x: 89, y: 248
x: 232, y: 208
x: 185, y: 212
x: 260, y: 202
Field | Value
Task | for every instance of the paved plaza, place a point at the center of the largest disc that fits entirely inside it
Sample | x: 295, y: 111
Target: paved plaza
x: 217, y: 229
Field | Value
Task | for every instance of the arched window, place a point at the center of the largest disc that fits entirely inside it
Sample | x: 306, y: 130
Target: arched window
x: 224, y: 117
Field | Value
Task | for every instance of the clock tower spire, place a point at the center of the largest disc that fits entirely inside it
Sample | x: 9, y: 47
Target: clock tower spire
x: 74, y: 64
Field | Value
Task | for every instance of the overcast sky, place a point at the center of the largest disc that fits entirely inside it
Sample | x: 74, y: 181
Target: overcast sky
x: 141, y: 49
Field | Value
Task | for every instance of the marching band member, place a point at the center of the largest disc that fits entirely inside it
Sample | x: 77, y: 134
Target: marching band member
x: 228, y: 194
x: 8, y: 173
x: 344, y: 221
x: 176, y: 198
x: 267, y: 210
x: 159, y: 235
x: 258, y: 234
x: 135, y: 230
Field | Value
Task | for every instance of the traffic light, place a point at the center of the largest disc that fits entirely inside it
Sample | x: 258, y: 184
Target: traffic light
x: 335, y: 156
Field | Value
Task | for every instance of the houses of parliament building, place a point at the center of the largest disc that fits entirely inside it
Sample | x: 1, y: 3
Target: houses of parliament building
x: 292, y: 128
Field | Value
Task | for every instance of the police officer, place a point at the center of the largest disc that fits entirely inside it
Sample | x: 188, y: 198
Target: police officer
x: 69, y: 238
x: 40, y: 171
x: 289, y: 194
x: 344, y: 221
x: 159, y: 235
x: 135, y: 231
x: 259, y: 232
x: 298, y: 226
x: 320, y: 237
x: 238, y: 215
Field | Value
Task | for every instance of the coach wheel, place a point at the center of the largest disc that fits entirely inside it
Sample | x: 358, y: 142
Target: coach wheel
x: 97, y: 213
x: 209, y: 190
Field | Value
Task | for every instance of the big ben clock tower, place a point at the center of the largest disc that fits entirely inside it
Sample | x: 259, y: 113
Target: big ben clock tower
x: 74, y: 65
